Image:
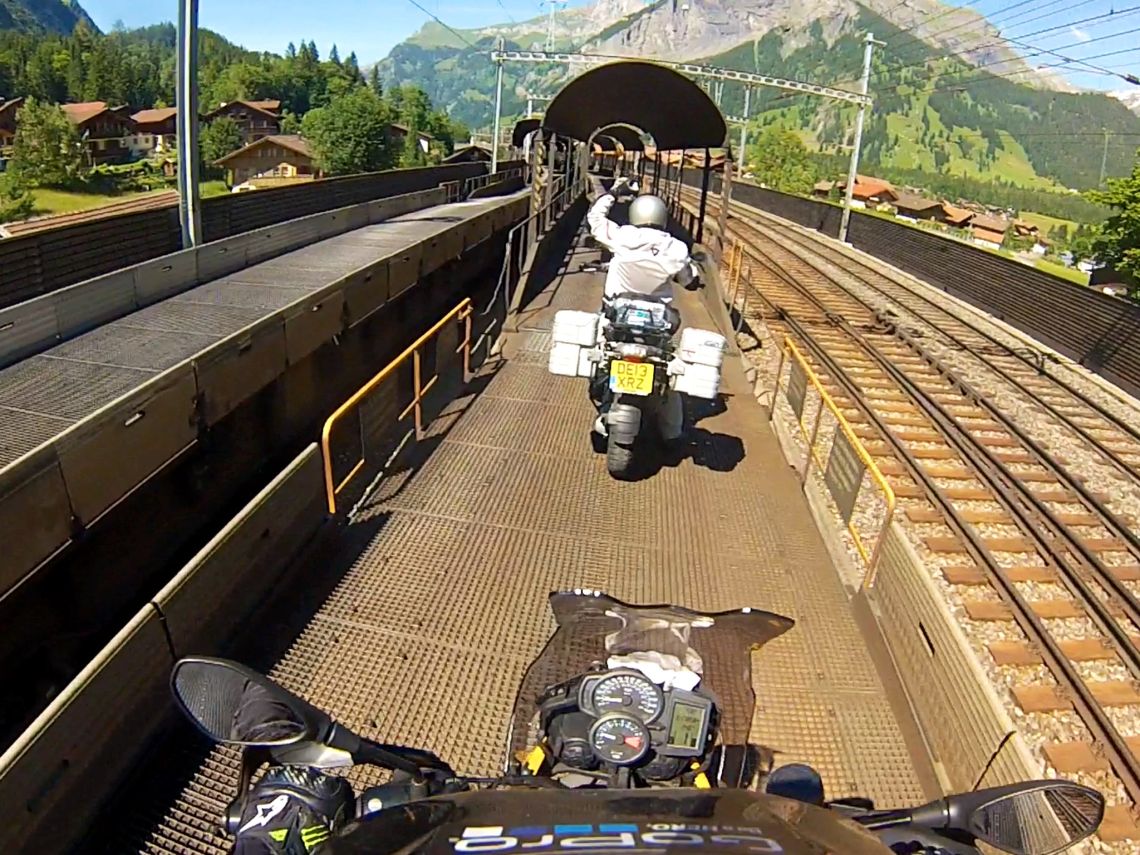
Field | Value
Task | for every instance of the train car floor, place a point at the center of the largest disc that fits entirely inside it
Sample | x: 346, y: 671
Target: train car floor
x: 428, y: 631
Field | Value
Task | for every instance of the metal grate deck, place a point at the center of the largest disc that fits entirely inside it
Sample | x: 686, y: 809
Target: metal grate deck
x: 430, y: 628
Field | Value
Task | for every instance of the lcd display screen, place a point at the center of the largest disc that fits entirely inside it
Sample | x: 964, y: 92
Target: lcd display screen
x: 685, y: 729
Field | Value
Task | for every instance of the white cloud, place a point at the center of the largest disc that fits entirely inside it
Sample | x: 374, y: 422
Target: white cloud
x: 1080, y: 35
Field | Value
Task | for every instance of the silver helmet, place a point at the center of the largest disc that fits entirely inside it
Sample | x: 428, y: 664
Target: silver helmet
x: 648, y: 211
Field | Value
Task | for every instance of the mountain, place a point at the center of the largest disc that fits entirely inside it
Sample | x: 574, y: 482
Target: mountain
x: 1130, y: 98
x: 949, y: 96
x: 32, y: 16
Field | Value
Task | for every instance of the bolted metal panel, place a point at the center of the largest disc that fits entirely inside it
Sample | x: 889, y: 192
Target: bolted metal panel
x: 27, y: 328
x: 311, y: 322
x: 272, y: 241
x: 404, y: 270
x: 441, y: 248
x: 962, y: 718
x: 238, y: 367
x: 475, y: 231
x: 242, y: 563
x: 35, y: 514
x: 165, y: 276
x: 87, y: 305
x: 85, y: 737
x: 365, y: 291
x: 110, y: 453
x: 356, y: 217
x: 222, y: 257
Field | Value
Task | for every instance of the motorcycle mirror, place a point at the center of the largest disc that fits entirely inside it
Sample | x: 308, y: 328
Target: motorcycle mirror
x: 1040, y: 818
x: 796, y: 781
x: 234, y: 704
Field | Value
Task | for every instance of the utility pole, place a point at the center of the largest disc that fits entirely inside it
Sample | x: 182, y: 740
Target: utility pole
x: 498, y: 109
x: 531, y: 97
x: 853, y: 171
x: 189, y: 210
x: 550, y: 24
x: 1103, y: 158
x: 744, y: 128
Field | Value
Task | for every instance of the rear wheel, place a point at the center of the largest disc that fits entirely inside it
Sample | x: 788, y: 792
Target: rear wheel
x: 619, y: 459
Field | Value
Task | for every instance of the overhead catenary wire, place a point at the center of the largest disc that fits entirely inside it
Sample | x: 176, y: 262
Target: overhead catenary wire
x: 1035, y: 50
x: 947, y: 79
x: 436, y: 18
x: 982, y: 22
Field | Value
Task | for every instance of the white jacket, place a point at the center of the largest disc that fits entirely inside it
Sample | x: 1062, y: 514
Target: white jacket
x: 645, y: 260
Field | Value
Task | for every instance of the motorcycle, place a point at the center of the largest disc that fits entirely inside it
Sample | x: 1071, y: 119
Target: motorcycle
x: 634, y: 363
x: 629, y: 732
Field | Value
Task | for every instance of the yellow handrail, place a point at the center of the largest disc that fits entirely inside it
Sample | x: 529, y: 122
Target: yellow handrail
x: 872, y: 559
x: 461, y: 312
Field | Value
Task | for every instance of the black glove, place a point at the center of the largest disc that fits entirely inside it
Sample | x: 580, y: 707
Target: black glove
x: 293, y: 811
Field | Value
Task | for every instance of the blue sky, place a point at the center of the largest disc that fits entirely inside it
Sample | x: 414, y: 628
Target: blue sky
x: 372, y: 27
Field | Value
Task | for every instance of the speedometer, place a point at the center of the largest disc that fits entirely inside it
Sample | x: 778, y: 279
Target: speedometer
x: 628, y: 693
x: 619, y: 739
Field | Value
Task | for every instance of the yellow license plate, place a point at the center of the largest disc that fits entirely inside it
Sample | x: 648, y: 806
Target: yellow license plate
x: 631, y: 378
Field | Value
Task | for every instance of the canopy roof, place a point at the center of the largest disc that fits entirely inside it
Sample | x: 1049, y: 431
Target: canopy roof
x: 665, y: 104
x: 522, y: 128
x: 629, y: 138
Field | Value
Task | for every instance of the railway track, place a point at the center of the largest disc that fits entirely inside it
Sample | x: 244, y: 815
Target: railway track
x: 1044, y: 572
x: 128, y: 206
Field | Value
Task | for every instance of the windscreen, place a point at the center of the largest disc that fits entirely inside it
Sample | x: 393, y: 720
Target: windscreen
x: 592, y: 627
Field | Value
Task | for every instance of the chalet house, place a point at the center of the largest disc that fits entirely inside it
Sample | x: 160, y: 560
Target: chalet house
x: 272, y: 160
x: 8, y: 111
x: 958, y: 218
x: 989, y: 231
x: 870, y: 191
x: 911, y: 207
x: 1023, y: 229
x: 105, y: 130
x: 256, y: 119
x: 156, y: 131
x: 469, y: 154
x: 822, y: 189
x: 398, y: 136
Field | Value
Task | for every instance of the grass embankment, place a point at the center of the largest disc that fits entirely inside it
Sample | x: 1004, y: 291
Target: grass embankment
x: 53, y: 202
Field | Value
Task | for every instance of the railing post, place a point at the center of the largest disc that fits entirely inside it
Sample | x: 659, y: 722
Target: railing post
x: 467, y: 348
x: 416, y: 382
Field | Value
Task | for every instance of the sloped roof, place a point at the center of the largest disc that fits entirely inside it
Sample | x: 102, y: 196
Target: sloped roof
x: 293, y: 142
x: 84, y: 111
x: 253, y: 105
x: 407, y: 130
x: 161, y: 114
x: 824, y: 186
x: 273, y: 105
x: 992, y: 224
x: 462, y: 150
x: 866, y: 187
x: 668, y: 106
x: 915, y: 203
x: 989, y: 235
x: 956, y: 215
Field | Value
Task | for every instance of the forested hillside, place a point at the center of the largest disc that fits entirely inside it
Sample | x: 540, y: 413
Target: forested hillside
x: 30, y: 16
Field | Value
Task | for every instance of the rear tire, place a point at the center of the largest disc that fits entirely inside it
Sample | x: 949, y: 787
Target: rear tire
x: 619, y: 459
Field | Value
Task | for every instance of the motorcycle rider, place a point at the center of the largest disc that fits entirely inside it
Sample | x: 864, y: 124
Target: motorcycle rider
x: 647, y: 262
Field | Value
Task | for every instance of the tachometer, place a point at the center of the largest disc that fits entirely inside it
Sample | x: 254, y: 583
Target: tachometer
x: 619, y: 739
x: 629, y: 693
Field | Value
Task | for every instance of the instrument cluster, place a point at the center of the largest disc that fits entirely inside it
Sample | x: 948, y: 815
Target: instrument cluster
x: 621, y: 718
